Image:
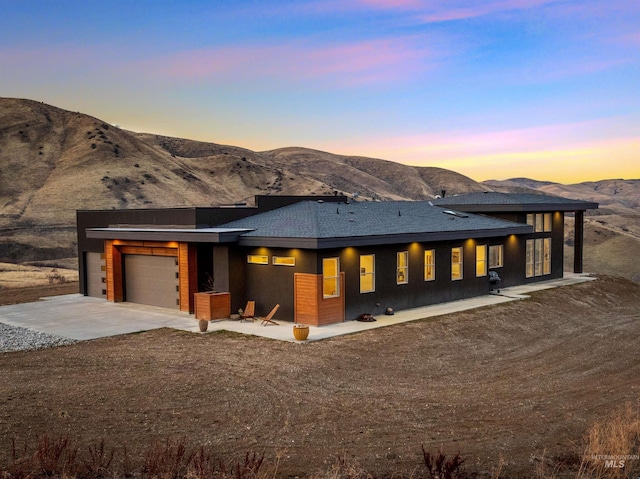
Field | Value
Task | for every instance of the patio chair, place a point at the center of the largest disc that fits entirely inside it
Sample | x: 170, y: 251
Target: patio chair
x: 249, y: 311
x: 268, y: 318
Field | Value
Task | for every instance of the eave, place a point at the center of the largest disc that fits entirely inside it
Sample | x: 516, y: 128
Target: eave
x: 523, y: 208
x: 377, y: 240
x: 190, y: 235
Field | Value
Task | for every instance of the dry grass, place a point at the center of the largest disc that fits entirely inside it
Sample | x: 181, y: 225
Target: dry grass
x: 22, y: 276
x: 171, y: 459
x: 607, y: 248
x: 610, y: 450
x: 613, y: 446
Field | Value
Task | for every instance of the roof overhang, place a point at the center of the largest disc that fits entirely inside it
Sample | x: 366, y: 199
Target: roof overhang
x: 187, y: 235
x: 522, y: 208
x: 376, y: 240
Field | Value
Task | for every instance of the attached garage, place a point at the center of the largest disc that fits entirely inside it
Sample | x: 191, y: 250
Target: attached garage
x: 96, y: 274
x: 151, y: 280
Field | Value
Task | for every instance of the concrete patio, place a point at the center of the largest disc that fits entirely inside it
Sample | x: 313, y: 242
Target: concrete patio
x: 83, y: 318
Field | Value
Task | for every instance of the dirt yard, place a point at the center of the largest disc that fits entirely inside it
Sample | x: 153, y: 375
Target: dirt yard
x: 513, y: 381
x: 33, y: 293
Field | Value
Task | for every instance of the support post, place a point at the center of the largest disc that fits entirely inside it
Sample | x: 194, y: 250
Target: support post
x: 188, y: 276
x: 578, y: 241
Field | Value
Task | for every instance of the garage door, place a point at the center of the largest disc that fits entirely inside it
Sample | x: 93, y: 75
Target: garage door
x: 96, y: 284
x: 151, y: 280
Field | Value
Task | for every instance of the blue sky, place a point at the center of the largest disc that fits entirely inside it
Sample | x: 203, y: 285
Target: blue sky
x: 492, y: 89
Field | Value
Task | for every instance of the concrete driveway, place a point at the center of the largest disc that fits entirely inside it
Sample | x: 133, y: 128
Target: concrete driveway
x: 82, y: 317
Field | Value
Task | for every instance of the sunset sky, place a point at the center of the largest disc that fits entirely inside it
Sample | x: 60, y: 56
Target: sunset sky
x: 491, y: 89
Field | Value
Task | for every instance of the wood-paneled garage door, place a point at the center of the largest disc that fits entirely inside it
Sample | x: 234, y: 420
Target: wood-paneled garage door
x: 151, y: 280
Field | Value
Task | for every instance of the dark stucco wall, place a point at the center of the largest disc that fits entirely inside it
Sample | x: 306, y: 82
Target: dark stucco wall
x: 516, y: 266
x: 417, y: 292
x: 270, y: 284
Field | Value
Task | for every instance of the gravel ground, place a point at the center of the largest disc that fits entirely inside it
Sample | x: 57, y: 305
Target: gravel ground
x: 13, y: 338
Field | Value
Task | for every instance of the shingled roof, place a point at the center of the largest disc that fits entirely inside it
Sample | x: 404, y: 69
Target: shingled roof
x: 509, y: 202
x: 316, y: 224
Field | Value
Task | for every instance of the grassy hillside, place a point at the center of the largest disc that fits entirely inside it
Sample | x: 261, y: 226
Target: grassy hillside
x: 56, y: 161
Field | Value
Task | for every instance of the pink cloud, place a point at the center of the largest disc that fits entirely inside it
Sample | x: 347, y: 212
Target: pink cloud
x: 631, y: 39
x: 475, y: 9
x: 431, y: 11
x: 597, y: 149
x: 380, y: 60
x: 471, y: 143
x: 394, y: 4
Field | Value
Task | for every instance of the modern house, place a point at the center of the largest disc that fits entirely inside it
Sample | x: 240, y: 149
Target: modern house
x: 325, y: 259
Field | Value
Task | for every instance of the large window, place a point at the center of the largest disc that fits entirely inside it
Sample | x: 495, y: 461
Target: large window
x: 456, y: 263
x: 430, y: 265
x: 538, y: 257
x: 367, y: 273
x: 330, y: 277
x: 529, y: 260
x: 481, y: 260
x: 537, y: 254
x: 402, y: 270
x: 496, y: 256
x: 541, y: 222
x: 546, y: 260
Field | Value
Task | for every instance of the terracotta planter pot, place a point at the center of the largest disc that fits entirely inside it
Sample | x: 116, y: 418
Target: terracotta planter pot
x: 203, y: 324
x: 301, y: 332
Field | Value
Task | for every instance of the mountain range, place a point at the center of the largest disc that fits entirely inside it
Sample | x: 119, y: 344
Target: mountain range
x: 54, y: 162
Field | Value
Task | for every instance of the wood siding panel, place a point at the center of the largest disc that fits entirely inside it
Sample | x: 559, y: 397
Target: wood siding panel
x: 306, y: 290
x: 187, y: 272
x: 136, y: 250
x: 164, y: 251
x: 108, y: 259
x: 113, y: 264
x: 160, y: 244
x: 212, y: 305
x: 128, y: 243
x: 118, y: 283
x: 331, y: 310
x: 148, y: 250
x: 310, y: 307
